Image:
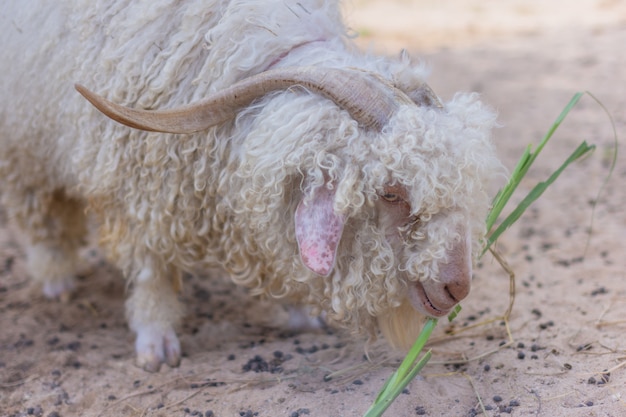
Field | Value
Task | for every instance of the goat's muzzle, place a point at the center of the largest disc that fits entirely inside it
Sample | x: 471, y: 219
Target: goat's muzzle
x: 436, y: 298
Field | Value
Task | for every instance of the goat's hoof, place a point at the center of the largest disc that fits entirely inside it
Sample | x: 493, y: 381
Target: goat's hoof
x: 301, y: 321
x: 59, y: 289
x: 156, y: 346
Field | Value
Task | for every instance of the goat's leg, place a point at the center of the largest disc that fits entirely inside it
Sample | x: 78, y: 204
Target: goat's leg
x: 55, y: 229
x: 154, y: 311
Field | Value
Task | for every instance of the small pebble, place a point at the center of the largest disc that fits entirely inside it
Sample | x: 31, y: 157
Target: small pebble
x: 487, y: 368
x: 209, y: 413
x: 74, y: 346
x: 420, y: 411
x: 521, y: 355
x: 357, y: 382
x: 514, y: 403
x: 497, y: 398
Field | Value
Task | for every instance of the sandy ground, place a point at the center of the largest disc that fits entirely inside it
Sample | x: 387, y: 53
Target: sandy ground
x: 568, y: 346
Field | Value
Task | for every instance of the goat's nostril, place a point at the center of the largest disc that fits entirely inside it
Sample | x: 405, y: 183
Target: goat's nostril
x: 458, y: 290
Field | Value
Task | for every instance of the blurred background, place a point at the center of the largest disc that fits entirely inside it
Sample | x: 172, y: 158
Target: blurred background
x: 432, y: 24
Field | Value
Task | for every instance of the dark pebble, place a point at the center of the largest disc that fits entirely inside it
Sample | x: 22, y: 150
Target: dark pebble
x: 545, y: 325
x: 73, y: 346
x: 357, y: 382
x: 520, y: 345
x: 598, y: 291
x: 487, y: 368
x: 34, y: 411
x: 489, y: 407
x: 209, y: 413
x: 514, y: 403
x: 420, y: 411
x: 54, y: 414
x: 406, y: 391
x: 111, y: 397
x: 497, y: 398
x: 278, y: 354
x: 521, y: 355
x: 591, y: 380
x: 231, y: 357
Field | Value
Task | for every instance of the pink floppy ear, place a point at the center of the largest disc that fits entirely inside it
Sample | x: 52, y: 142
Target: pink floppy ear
x: 318, y: 231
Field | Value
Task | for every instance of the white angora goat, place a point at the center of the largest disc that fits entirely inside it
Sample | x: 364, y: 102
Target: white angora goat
x: 269, y: 146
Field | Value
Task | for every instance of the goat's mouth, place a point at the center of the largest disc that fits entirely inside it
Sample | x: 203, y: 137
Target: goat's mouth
x: 434, y: 306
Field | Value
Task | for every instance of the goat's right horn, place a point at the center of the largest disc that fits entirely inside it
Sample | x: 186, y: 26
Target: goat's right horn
x: 370, y: 100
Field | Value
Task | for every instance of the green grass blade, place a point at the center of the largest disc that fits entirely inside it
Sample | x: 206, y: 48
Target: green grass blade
x: 535, y: 193
x: 382, y: 403
x: 524, y: 163
x: 405, y: 372
x: 457, y: 309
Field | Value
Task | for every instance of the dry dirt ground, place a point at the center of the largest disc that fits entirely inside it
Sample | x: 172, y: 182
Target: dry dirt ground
x: 526, y: 59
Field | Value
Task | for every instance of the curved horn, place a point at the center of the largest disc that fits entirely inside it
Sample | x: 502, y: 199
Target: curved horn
x: 369, y: 99
x: 424, y: 96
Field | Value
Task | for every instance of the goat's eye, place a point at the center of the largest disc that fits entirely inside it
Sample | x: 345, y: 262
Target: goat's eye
x: 391, y: 197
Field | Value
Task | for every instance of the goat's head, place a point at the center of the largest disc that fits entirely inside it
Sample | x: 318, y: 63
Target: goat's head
x: 396, y: 240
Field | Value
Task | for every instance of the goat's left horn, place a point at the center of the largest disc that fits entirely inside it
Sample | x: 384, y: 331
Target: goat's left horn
x: 369, y: 99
